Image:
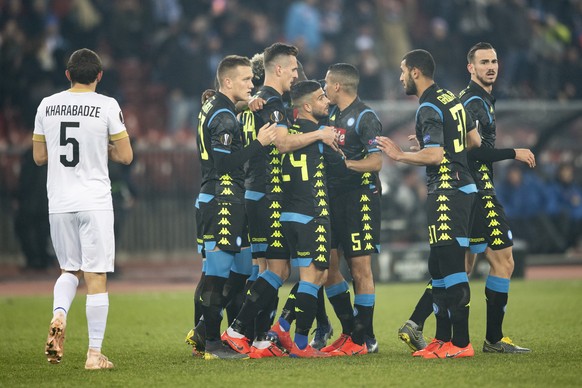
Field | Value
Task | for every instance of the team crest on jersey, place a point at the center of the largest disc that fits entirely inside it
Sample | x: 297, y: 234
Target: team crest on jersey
x: 276, y: 116
x: 121, y: 118
x: 426, y: 139
x: 351, y: 121
x: 225, y: 139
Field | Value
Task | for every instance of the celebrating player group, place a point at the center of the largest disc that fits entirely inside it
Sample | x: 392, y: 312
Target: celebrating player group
x: 289, y: 171
x: 290, y: 179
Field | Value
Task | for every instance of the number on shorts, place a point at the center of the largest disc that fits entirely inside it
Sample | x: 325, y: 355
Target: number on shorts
x: 357, y: 243
x: 432, y: 236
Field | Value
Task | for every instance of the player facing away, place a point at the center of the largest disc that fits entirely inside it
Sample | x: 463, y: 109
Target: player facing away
x: 441, y: 132
x: 354, y: 194
x: 76, y: 131
x: 221, y: 197
x: 490, y: 232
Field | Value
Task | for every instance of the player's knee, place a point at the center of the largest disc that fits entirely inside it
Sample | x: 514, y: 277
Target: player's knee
x: 501, y: 261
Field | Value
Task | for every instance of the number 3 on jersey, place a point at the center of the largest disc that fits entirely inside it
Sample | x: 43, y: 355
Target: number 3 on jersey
x: 458, y: 114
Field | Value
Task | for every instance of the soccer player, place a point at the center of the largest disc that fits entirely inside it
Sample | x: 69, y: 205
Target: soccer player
x: 441, y: 132
x: 75, y: 133
x: 221, y: 197
x: 355, y: 210
x: 263, y: 201
x: 305, y: 211
x: 490, y: 232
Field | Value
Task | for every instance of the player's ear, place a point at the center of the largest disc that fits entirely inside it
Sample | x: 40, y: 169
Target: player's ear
x: 470, y: 68
x: 99, y: 76
x: 68, y: 75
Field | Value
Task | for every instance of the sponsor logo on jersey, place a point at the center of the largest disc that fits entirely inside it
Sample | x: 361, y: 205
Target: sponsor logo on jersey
x: 341, y: 136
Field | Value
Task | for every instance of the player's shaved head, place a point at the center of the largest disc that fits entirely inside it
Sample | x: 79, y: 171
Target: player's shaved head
x: 346, y: 75
x: 421, y: 60
x: 228, y: 66
x: 276, y: 52
x: 302, y: 89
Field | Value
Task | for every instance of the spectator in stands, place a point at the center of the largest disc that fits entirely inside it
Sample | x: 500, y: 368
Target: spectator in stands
x: 524, y: 199
x: 565, y: 206
x: 302, y: 26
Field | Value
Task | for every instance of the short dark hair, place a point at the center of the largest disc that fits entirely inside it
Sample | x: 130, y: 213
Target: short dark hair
x: 422, y: 60
x: 277, y: 49
x: 229, y: 63
x: 478, y: 46
x: 302, y: 89
x: 347, y: 75
x: 84, y: 66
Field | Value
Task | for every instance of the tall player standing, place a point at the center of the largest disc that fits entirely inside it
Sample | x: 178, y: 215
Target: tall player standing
x: 75, y: 132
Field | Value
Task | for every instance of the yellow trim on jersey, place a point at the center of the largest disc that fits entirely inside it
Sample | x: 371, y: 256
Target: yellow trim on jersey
x: 119, y: 136
x: 40, y: 138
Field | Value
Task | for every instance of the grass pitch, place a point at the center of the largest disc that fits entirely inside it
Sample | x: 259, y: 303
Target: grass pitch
x: 145, y: 340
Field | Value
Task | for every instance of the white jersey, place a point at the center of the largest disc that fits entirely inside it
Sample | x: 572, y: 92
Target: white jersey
x: 77, y: 128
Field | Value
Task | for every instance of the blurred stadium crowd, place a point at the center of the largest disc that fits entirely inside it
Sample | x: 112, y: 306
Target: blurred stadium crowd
x: 159, y: 55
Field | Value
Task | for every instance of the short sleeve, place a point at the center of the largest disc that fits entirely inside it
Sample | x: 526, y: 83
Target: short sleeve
x: 430, y: 124
x: 223, y: 128
x: 115, y: 121
x: 369, y: 127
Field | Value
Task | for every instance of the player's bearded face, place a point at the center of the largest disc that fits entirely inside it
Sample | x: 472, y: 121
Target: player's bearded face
x: 320, y: 105
x: 406, y: 80
x: 486, y: 66
x: 409, y: 86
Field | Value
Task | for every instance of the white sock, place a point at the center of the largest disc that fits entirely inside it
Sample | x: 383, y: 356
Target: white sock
x: 97, y: 308
x: 64, y: 293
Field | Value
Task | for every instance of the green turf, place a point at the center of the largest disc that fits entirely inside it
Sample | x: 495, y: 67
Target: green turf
x: 145, y: 340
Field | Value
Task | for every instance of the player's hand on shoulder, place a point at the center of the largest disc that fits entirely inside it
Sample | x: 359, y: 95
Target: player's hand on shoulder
x: 256, y: 103
x: 267, y: 134
x: 207, y: 94
x: 526, y: 156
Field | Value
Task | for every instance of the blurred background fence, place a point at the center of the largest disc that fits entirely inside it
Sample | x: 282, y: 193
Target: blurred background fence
x: 159, y: 55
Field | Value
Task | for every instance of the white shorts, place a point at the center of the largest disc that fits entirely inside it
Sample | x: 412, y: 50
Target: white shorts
x: 84, y: 240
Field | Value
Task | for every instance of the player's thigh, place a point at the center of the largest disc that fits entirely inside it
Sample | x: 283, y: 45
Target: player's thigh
x: 448, y: 217
x: 66, y: 240
x: 224, y: 225
x: 258, y: 220
x: 97, y: 240
x: 356, y: 222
